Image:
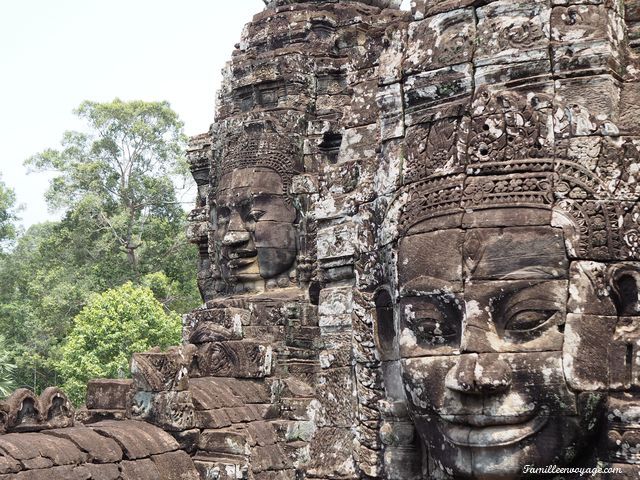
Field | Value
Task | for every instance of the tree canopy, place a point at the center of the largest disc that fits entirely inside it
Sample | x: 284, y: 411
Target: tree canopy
x: 116, y: 184
x: 108, y: 330
x: 8, y: 214
x: 118, y: 177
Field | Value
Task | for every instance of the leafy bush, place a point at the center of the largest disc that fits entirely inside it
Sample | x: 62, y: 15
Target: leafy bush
x: 108, y: 330
x: 6, y: 370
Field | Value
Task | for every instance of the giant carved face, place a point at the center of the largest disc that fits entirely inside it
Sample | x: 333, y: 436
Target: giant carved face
x: 481, y: 341
x: 254, y: 236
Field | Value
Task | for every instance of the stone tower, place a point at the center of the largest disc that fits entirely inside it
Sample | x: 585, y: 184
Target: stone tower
x: 419, y: 259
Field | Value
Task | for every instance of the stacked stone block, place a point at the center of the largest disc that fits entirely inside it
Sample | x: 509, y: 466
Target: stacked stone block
x: 382, y: 194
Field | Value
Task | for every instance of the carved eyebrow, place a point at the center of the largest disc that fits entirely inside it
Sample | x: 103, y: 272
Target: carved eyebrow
x: 260, y: 195
x: 427, y: 284
x: 540, y: 272
x: 238, y: 202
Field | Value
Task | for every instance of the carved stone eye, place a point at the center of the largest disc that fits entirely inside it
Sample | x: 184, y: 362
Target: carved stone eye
x: 223, y: 214
x: 255, y: 215
x: 433, y: 331
x: 528, y: 320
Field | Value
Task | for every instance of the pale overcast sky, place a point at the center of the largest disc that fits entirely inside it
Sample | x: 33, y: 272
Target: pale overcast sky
x: 55, y: 54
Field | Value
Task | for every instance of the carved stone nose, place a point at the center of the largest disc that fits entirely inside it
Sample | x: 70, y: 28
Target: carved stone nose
x: 236, y: 238
x: 479, y: 374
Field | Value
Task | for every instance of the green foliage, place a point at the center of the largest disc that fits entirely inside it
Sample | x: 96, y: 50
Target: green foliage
x: 43, y: 285
x: 6, y: 370
x: 8, y: 214
x: 108, y: 330
x: 127, y: 156
x: 122, y: 223
x: 118, y: 177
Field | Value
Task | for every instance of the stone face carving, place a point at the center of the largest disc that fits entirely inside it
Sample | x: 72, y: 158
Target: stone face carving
x: 507, y: 335
x: 253, y: 226
x: 419, y: 255
x: 471, y: 179
x: 481, y: 334
x: 255, y: 237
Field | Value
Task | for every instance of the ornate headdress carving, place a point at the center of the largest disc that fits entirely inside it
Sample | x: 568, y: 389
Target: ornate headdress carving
x: 515, y: 151
x: 259, y: 145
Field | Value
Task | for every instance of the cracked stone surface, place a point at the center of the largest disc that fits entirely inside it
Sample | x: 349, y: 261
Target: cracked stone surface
x: 419, y: 259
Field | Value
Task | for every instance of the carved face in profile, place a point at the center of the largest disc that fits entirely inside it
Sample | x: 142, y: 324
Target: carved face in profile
x: 481, y: 325
x: 254, y: 236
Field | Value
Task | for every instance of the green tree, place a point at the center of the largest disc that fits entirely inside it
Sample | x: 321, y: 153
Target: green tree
x: 8, y: 214
x: 109, y: 329
x: 116, y: 185
x: 43, y: 285
x: 118, y: 178
x: 6, y: 370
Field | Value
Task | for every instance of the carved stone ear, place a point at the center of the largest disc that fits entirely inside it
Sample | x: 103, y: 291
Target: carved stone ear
x: 624, y: 280
x: 385, y: 331
x: 402, y: 458
x: 624, y: 286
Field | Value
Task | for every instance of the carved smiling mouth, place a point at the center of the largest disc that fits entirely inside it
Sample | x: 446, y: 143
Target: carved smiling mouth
x: 237, y: 259
x: 486, y: 431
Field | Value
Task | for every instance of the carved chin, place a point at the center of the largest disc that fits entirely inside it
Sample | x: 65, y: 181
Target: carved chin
x: 275, y: 261
x: 498, y: 450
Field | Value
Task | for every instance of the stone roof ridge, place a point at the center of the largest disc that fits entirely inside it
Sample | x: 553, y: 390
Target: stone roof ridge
x: 107, y: 450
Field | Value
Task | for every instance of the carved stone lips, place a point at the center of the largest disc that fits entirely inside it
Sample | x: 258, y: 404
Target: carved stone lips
x: 242, y: 253
x: 483, y: 431
x: 241, y: 258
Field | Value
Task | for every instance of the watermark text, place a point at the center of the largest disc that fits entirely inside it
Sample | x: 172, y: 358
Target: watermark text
x: 581, y: 471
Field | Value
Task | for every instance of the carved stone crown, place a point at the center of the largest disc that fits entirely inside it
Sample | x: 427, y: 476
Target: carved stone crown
x: 512, y: 151
x: 256, y: 148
